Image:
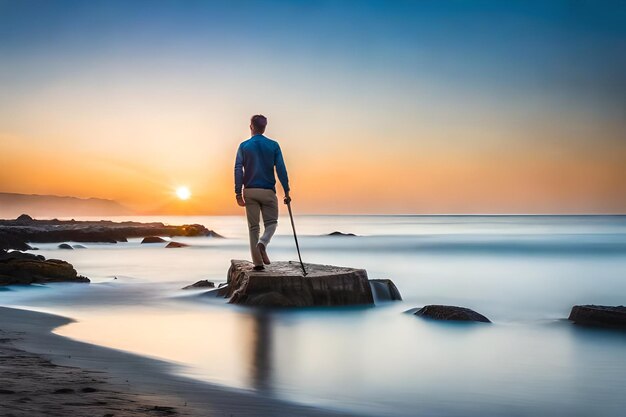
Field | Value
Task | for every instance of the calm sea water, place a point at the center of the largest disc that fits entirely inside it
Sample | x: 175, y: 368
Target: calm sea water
x: 523, y: 272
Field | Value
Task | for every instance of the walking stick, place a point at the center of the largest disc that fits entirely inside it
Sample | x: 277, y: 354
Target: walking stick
x: 293, y: 226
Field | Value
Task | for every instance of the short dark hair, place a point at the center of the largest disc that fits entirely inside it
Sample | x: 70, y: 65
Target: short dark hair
x: 259, y: 123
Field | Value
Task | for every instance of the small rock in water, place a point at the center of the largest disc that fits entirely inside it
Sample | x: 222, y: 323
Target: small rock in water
x: 152, y: 239
x: 65, y: 246
x: 602, y: 316
x: 337, y: 233
x: 79, y: 247
x: 452, y: 313
x: 200, y: 284
x: 176, y: 245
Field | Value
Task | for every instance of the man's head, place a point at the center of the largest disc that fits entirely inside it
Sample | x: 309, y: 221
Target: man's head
x: 258, y: 123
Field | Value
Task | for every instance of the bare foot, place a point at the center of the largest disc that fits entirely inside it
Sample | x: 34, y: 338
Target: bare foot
x: 261, y: 247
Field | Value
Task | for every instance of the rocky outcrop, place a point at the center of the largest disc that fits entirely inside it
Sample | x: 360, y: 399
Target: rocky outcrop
x: 200, y: 284
x: 18, y: 255
x: 176, y: 245
x: 384, y: 290
x: 440, y: 312
x: 15, y: 234
x: 282, y: 284
x: 9, y: 241
x: 65, y: 246
x: 153, y: 239
x: 599, y: 316
x: 17, y: 268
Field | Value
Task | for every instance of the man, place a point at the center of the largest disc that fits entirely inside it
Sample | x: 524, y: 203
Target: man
x: 254, y: 172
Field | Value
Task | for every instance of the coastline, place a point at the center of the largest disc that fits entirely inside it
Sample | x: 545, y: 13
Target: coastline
x: 126, y: 383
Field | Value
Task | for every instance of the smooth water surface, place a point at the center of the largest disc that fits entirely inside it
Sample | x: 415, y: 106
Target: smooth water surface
x: 523, y: 272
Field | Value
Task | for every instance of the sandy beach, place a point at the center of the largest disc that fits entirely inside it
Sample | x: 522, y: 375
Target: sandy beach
x: 33, y: 385
x: 45, y: 374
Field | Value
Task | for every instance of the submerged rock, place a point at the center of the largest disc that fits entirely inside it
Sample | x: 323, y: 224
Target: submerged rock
x: 440, y: 312
x: 385, y: 290
x: 176, y: 245
x: 200, y: 284
x: 282, y: 284
x: 27, y: 269
x: 602, y: 316
x: 65, y: 246
x: 79, y: 247
x: 153, y: 239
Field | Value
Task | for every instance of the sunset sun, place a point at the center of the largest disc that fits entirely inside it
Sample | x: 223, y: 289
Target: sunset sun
x: 183, y: 193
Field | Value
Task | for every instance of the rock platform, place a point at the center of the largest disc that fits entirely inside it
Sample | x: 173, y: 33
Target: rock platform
x: 282, y: 284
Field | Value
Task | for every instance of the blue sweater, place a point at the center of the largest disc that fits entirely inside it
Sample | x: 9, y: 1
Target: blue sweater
x: 254, y: 165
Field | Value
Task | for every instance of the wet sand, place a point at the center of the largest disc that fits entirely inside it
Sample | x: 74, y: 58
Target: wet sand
x: 32, y: 385
x: 45, y: 374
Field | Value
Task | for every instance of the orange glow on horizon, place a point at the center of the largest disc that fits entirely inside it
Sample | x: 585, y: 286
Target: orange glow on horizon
x: 344, y: 181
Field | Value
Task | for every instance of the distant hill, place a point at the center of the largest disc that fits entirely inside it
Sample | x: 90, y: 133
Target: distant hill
x: 12, y: 205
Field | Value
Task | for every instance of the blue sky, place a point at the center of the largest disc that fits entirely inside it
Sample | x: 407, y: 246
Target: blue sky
x: 567, y: 47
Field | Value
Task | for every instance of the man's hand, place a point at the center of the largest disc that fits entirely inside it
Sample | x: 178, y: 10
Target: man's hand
x: 287, y: 199
x: 240, y: 200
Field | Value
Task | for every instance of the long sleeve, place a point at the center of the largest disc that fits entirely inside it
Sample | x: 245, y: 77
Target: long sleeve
x: 281, y: 170
x: 238, y: 171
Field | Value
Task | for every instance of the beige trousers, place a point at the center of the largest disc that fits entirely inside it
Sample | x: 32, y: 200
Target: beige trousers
x: 260, y: 201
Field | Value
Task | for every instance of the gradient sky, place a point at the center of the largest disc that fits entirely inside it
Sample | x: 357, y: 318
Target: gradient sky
x: 379, y: 106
